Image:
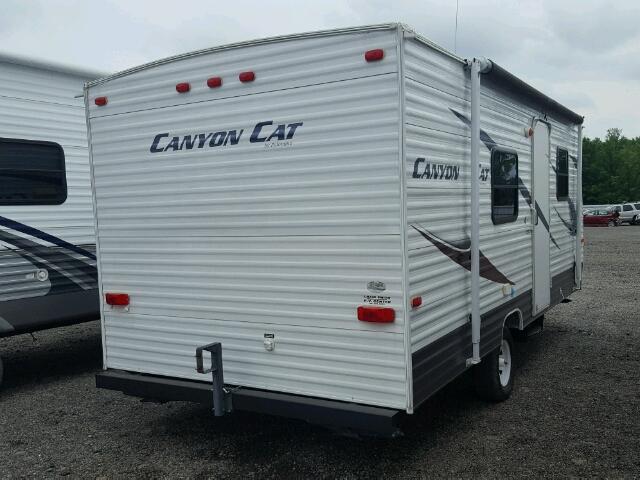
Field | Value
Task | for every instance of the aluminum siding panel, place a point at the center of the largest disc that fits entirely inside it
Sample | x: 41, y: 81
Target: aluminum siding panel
x: 437, y: 96
x: 38, y: 104
x: 233, y: 243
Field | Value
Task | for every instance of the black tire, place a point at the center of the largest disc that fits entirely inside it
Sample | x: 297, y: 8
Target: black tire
x: 1, y: 372
x: 486, y: 375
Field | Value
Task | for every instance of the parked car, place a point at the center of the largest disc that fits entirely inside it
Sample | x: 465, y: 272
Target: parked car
x: 601, y: 218
x: 629, y: 212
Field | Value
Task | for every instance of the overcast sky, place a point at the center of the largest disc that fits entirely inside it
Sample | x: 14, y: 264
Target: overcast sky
x: 583, y: 53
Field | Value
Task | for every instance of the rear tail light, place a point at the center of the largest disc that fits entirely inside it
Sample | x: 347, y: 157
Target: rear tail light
x: 183, y: 87
x: 101, y: 101
x: 214, y: 82
x: 376, y: 314
x: 374, y: 55
x: 117, y: 299
x: 247, y: 77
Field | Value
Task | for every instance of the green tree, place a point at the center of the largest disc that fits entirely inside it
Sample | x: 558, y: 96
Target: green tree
x: 611, y: 168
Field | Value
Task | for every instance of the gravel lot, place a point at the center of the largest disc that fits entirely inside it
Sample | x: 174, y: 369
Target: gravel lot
x: 575, y: 410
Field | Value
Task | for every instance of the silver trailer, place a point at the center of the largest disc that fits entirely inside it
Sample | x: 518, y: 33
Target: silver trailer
x: 48, y: 275
x: 344, y: 220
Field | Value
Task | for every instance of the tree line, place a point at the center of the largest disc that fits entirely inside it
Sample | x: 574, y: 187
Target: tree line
x: 611, y: 169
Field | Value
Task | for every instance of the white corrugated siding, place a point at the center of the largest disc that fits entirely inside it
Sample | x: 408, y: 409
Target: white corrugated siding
x: 38, y: 104
x: 231, y: 243
x: 435, y: 85
x: 563, y: 258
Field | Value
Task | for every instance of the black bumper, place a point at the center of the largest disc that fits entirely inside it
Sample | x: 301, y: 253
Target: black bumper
x: 362, y: 418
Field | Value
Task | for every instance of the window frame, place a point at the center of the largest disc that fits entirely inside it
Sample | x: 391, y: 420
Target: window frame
x: 64, y: 193
x: 514, y: 217
x: 560, y: 174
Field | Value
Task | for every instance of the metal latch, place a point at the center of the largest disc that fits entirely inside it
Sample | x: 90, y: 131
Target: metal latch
x: 221, y: 396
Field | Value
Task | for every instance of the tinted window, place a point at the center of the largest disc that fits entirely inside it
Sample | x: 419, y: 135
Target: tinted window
x: 31, y: 173
x: 504, y: 186
x: 562, y: 174
x: 637, y: 205
x: 627, y: 208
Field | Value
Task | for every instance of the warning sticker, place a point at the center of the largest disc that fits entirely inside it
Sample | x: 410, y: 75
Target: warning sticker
x: 376, y: 299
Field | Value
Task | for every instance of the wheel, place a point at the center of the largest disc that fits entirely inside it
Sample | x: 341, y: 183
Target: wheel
x: 611, y: 223
x: 1, y: 371
x: 493, y: 376
x: 634, y: 220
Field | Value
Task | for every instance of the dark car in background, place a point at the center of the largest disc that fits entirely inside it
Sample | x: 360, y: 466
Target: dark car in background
x: 601, y: 218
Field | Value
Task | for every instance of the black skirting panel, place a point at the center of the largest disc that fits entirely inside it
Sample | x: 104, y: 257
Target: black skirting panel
x: 562, y: 285
x: 38, y: 313
x: 438, y: 363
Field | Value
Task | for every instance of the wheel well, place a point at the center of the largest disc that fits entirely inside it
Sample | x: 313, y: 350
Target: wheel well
x: 514, y: 319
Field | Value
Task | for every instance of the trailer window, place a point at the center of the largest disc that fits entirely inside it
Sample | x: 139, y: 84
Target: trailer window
x: 31, y: 173
x: 504, y: 186
x: 562, y: 174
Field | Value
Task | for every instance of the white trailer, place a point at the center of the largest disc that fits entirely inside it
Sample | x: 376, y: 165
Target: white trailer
x: 48, y: 275
x: 302, y: 207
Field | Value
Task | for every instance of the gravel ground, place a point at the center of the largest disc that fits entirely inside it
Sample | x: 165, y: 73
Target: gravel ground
x: 575, y: 410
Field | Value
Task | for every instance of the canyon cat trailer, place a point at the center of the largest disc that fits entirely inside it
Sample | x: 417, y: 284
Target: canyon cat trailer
x: 328, y: 226
x: 48, y: 274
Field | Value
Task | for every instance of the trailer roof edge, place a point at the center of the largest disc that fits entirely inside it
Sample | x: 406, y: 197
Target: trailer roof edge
x: 247, y: 43
x: 512, y: 84
x: 499, y: 75
x: 51, y: 66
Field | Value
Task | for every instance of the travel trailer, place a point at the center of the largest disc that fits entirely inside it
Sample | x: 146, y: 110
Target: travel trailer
x: 48, y: 275
x: 328, y: 226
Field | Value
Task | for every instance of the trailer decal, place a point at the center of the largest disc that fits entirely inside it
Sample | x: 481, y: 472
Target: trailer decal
x: 279, y: 136
x: 571, y: 226
x: 34, y: 232
x: 461, y: 254
x: 524, y: 191
x: 61, y: 267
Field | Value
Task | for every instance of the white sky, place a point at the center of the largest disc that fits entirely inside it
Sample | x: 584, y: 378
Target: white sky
x: 583, y: 53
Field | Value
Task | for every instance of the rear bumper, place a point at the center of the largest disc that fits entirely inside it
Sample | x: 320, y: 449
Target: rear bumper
x: 363, y: 418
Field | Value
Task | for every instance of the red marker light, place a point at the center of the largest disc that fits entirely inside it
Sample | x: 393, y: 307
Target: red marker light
x: 214, y: 82
x: 416, y: 302
x: 247, y: 77
x: 183, y: 87
x: 101, y: 101
x: 117, y: 299
x: 374, y: 55
x: 376, y: 314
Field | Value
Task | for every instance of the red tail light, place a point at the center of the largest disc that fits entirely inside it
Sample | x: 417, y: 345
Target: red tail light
x: 416, y: 302
x: 376, y: 314
x: 247, y: 77
x: 214, y: 82
x: 101, y: 101
x: 374, y: 55
x: 117, y: 299
x: 183, y: 87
